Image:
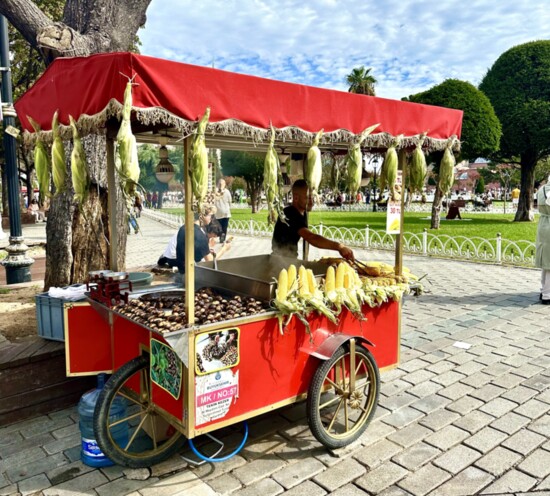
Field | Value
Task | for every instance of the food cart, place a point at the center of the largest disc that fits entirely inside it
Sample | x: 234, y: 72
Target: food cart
x: 193, y: 377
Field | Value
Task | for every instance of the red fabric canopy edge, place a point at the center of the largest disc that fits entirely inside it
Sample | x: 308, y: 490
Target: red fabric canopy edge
x: 85, y: 85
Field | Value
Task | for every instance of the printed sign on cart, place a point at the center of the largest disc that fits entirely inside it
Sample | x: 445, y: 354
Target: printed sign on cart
x: 214, y: 395
x: 166, y: 369
x: 393, y: 216
x: 218, y: 350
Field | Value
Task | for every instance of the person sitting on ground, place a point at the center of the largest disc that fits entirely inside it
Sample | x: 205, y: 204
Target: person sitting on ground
x: 287, y: 234
x: 34, y: 210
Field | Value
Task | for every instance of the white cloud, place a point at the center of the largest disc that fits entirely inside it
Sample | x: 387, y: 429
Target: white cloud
x: 410, y: 46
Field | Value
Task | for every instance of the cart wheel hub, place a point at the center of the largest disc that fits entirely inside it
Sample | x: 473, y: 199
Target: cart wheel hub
x: 356, y: 399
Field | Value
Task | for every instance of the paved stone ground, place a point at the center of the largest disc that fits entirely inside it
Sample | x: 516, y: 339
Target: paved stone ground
x: 450, y: 421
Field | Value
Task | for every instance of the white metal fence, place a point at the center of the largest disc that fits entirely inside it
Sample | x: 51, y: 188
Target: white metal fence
x: 496, y: 250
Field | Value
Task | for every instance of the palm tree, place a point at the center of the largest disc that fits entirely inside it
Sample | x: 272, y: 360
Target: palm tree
x: 361, y: 81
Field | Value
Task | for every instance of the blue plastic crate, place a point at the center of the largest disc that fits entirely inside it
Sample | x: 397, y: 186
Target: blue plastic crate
x: 49, y: 315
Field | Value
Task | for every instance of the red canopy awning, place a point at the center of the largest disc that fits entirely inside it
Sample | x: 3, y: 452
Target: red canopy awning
x: 91, y: 90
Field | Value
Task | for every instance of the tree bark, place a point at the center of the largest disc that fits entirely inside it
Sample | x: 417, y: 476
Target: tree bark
x: 77, y: 236
x: 436, y: 208
x: 524, y: 212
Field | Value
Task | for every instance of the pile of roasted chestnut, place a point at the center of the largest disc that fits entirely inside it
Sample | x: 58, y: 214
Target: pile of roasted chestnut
x: 167, y: 313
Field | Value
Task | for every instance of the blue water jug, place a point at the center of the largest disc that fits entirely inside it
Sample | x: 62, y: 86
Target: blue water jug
x: 90, y: 453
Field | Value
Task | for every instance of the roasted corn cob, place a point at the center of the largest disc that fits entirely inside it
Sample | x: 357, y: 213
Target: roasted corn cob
x: 355, y: 162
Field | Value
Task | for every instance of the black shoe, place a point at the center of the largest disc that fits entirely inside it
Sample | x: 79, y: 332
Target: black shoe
x: 545, y: 302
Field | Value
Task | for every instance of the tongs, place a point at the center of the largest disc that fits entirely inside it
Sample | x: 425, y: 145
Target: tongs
x: 359, y: 266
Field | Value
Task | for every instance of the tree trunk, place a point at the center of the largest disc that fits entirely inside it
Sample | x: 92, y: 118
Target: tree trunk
x: 436, y: 208
x: 525, y: 206
x: 77, y: 237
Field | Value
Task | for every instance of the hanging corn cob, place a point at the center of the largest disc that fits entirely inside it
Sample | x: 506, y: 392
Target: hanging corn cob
x: 79, y: 168
x: 271, y: 171
x: 388, y: 175
x: 335, y: 175
x: 198, y: 161
x: 417, y: 170
x: 42, y: 162
x: 314, y: 166
x: 355, y: 162
x: 128, y: 163
x: 59, y: 165
x: 447, y: 168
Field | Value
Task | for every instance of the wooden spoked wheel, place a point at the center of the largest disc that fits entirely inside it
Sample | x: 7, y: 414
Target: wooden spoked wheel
x: 342, y: 396
x: 129, y: 428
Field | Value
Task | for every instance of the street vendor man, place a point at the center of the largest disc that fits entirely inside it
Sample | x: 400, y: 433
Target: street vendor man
x: 542, y: 244
x: 286, y: 235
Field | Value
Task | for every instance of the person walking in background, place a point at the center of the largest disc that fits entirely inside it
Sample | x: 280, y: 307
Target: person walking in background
x: 222, y: 203
x: 542, y: 245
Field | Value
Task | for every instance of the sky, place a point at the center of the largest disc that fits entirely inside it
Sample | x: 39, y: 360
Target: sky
x: 410, y: 45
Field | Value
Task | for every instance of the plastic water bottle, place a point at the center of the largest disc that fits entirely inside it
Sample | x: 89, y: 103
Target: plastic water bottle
x: 90, y: 453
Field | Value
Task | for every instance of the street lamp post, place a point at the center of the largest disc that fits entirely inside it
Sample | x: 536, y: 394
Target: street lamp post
x: 17, y: 264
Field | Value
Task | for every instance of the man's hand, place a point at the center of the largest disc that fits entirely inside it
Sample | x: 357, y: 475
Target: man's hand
x: 346, y: 252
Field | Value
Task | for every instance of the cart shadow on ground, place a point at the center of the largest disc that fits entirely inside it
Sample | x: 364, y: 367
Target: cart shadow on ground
x: 279, y: 435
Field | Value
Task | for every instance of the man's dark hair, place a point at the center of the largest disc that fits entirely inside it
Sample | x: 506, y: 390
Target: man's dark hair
x: 299, y: 184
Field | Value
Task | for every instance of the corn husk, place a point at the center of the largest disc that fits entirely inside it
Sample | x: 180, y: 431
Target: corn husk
x: 418, y: 169
x: 270, y: 184
x: 198, y: 160
x: 127, y: 152
x: 79, y: 167
x: 42, y: 163
x: 354, y: 162
x: 447, y: 169
x: 389, y: 168
x: 59, y: 161
x: 314, y: 166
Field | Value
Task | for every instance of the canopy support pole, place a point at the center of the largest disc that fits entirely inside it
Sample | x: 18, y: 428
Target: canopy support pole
x: 189, y: 238
x: 399, y: 237
x: 111, y: 199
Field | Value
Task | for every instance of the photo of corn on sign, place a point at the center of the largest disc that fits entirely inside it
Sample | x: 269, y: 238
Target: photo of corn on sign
x: 393, y: 218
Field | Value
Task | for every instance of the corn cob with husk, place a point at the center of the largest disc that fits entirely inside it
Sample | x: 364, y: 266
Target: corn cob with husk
x: 42, y: 163
x: 389, y: 168
x: 417, y: 169
x: 314, y: 166
x: 271, y: 172
x: 447, y: 168
x: 127, y: 152
x: 299, y: 295
x: 198, y: 161
x: 59, y: 165
x: 355, y: 162
x: 79, y: 168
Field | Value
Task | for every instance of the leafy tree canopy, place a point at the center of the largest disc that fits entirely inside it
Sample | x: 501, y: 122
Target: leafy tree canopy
x: 518, y: 85
x: 481, y: 130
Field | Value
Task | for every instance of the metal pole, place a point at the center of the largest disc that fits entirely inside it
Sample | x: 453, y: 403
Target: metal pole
x: 17, y: 264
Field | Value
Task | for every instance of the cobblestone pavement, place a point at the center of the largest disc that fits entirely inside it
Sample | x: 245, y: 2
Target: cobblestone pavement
x: 466, y: 412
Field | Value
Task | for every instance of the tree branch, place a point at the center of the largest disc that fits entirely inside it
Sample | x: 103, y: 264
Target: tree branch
x: 26, y: 17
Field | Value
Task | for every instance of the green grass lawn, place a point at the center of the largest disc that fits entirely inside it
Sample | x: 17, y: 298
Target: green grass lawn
x: 473, y: 225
